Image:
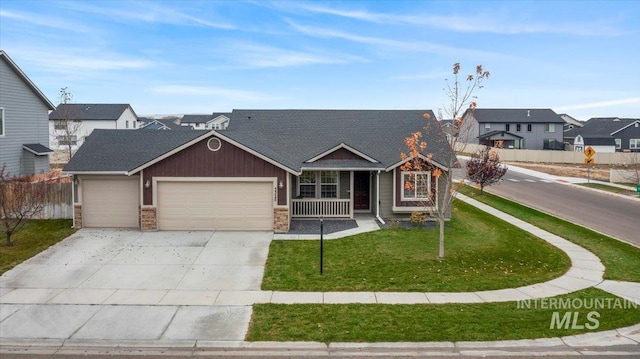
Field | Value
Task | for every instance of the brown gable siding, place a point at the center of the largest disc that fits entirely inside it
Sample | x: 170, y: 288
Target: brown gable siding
x: 228, y: 161
x: 341, y: 154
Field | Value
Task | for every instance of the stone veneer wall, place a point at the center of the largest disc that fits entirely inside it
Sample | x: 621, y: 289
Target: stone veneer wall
x: 148, y: 218
x: 281, y: 219
x: 77, y: 215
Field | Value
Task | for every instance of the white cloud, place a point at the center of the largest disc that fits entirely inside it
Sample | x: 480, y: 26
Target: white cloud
x: 600, y: 104
x: 504, y: 23
x: 45, y: 21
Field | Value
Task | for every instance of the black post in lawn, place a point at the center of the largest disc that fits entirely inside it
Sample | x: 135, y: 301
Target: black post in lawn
x: 321, y: 247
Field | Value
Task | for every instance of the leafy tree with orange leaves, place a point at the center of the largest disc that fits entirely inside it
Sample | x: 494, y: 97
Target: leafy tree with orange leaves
x: 435, y: 180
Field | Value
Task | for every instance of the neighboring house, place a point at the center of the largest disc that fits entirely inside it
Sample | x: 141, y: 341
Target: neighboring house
x: 215, y: 121
x: 268, y: 167
x: 532, y: 129
x: 85, y: 118
x: 621, y: 133
x: 24, y: 128
x: 570, y: 122
x: 164, y: 124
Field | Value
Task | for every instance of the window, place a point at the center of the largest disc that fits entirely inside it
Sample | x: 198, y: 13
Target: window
x: 487, y: 127
x: 507, y: 127
x: 634, y: 144
x: 135, y: 124
x: 307, y: 185
x: 67, y: 140
x: 549, y: 127
x: 416, y: 185
x: 60, y: 125
x: 216, y: 126
x: 329, y: 184
x: 618, y: 143
x: 126, y: 124
x: 528, y: 127
x: 518, y: 127
x: 1, y: 121
x: 549, y: 144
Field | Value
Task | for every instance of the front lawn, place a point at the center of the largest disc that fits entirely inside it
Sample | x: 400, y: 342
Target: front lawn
x: 482, y: 253
x: 621, y: 260
x: 36, y: 236
x: 434, y: 322
x: 608, y: 188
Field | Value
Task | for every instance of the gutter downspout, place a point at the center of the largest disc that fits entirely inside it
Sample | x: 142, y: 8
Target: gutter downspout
x: 378, y: 197
x: 73, y: 201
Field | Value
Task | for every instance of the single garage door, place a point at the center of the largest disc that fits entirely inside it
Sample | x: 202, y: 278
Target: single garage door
x: 215, y: 206
x: 110, y: 202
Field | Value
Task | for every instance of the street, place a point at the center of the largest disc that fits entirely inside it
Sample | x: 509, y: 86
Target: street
x: 606, y: 213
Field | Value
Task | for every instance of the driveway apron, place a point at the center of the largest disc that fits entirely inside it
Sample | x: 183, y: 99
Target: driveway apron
x: 104, y: 284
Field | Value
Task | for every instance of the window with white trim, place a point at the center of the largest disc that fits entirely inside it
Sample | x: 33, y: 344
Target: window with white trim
x: 549, y: 127
x: 67, y: 140
x: 60, y: 125
x: 329, y: 184
x: 307, y: 185
x: 618, y: 143
x: 318, y: 184
x: 415, y: 186
x: 634, y: 144
x: 487, y: 127
x: 1, y: 121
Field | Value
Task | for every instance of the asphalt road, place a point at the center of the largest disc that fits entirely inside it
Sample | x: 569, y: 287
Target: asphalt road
x: 609, y: 214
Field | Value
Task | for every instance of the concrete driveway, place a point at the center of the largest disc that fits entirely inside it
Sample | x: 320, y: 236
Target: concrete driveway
x: 124, y: 285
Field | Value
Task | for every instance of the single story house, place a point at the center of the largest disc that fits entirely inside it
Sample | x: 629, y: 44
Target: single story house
x: 267, y: 167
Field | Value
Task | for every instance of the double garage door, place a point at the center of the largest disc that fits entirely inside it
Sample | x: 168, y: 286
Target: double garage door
x: 214, y: 205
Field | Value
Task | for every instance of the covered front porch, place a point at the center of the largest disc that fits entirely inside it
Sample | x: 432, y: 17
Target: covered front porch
x: 332, y: 193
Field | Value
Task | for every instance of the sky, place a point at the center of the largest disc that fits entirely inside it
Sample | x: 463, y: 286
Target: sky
x: 186, y: 57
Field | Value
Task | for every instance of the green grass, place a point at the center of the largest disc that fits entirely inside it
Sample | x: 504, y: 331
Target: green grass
x: 33, y: 238
x: 608, y: 188
x: 425, y: 322
x: 621, y: 260
x: 481, y: 253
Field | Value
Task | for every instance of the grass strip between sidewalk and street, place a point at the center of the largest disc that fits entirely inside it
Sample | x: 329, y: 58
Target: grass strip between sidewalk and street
x: 482, y: 253
x: 442, y: 322
x: 621, y: 260
x: 36, y: 236
x: 612, y: 189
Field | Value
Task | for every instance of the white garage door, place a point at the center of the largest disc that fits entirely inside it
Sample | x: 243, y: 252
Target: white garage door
x: 110, y: 202
x: 215, y: 206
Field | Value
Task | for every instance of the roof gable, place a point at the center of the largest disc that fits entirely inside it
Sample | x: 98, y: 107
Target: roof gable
x: 342, y: 151
x: 25, y: 78
x: 635, y: 123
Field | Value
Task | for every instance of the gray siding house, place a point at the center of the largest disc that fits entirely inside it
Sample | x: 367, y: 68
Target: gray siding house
x: 621, y: 133
x: 24, y: 121
x: 532, y: 129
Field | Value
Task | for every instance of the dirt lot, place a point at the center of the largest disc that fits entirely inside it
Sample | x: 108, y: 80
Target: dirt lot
x: 598, y: 172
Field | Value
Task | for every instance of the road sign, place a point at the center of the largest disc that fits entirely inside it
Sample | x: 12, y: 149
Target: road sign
x: 589, y: 152
x: 589, y: 161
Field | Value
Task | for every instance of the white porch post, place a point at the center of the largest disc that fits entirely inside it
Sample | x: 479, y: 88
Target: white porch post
x: 351, y: 195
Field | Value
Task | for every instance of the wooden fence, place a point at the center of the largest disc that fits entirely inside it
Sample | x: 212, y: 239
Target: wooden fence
x: 58, y: 198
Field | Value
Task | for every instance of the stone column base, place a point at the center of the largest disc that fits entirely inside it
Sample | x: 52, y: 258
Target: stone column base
x: 281, y: 219
x: 148, y: 218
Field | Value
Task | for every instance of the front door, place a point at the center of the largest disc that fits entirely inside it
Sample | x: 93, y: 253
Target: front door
x: 361, y: 188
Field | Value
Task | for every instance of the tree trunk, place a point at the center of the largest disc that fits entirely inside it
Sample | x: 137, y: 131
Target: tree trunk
x: 441, y: 222
x: 9, y: 244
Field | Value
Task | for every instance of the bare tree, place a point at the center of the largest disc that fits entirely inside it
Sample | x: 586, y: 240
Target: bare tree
x: 427, y: 177
x: 484, y: 168
x: 632, y: 167
x: 67, y: 128
x: 20, y: 200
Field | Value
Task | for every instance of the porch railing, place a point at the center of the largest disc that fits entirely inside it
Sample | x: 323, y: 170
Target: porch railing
x: 310, y: 207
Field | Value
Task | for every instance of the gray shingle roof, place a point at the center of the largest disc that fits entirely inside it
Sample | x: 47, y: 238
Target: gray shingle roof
x: 123, y: 151
x: 288, y: 137
x: 600, y: 126
x: 516, y: 115
x: 37, y: 149
x: 292, y: 137
x: 89, y: 111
